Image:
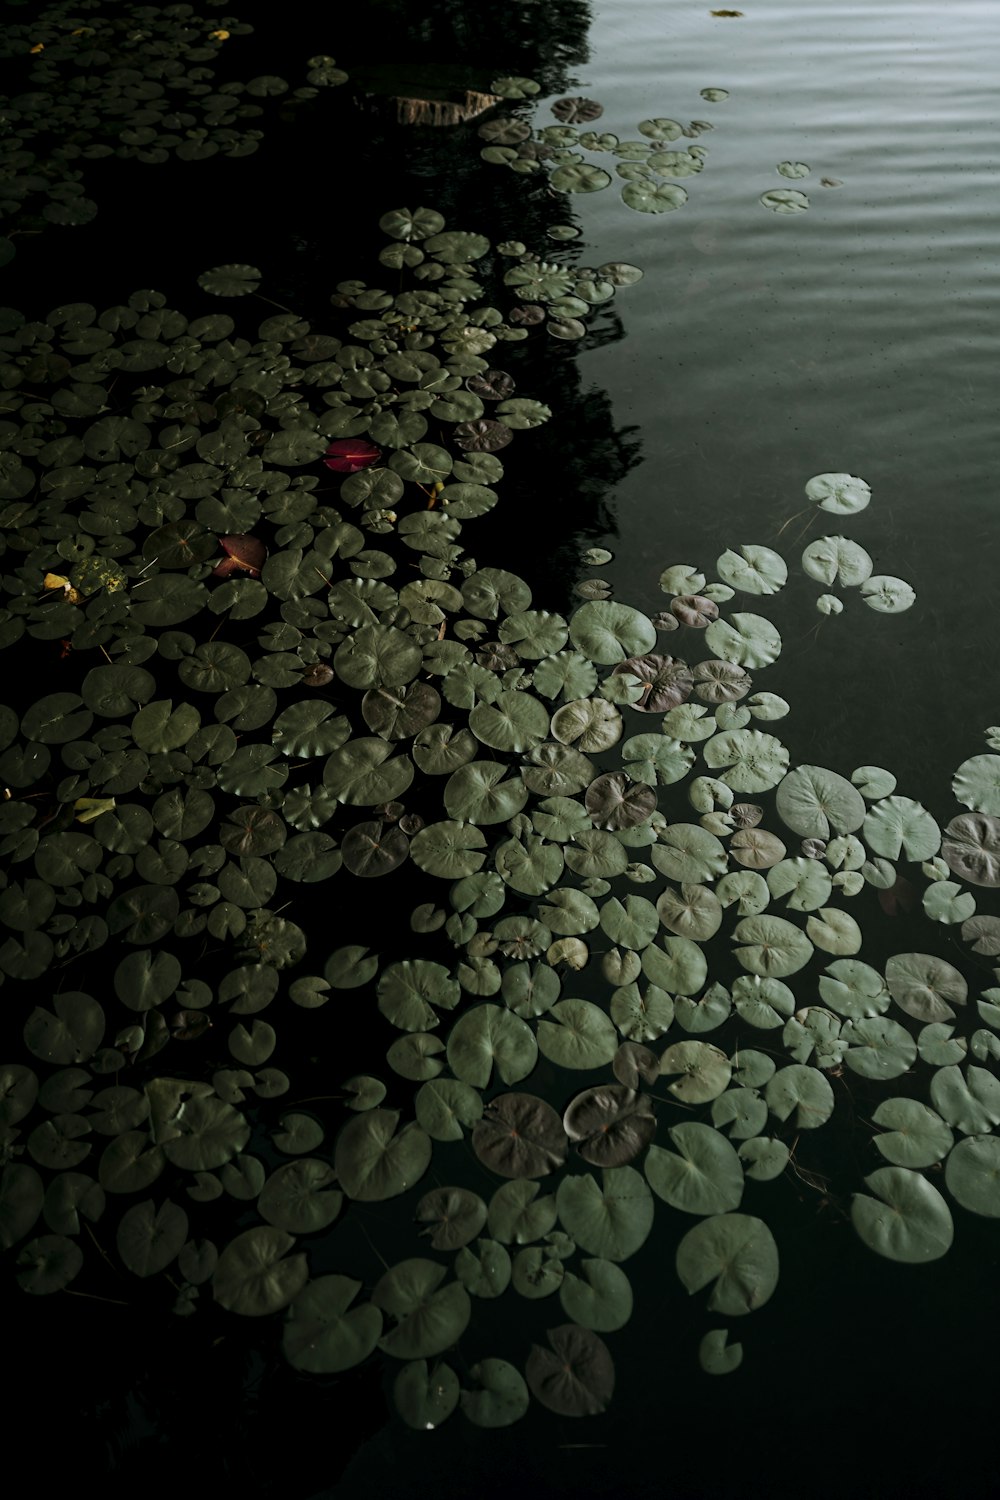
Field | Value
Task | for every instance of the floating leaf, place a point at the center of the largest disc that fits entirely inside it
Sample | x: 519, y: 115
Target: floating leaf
x: 888, y: 595
x: 230, y: 280
x: 976, y: 784
x: 754, y: 569
x: 925, y: 986
x: 374, y: 1161
x: 575, y: 1377
x: 323, y: 1334
x: 519, y: 1136
x: 814, y: 802
x: 715, y: 1356
x: 609, y: 1125
x: 972, y: 1173
x: 842, y: 494
x: 704, y: 1071
x: 256, y: 1276
x: 907, y: 1220
x: 576, y: 110
x: 610, y: 1221
x: 971, y: 849
x: 836, y: 559
x: 748, y: 640
x: 898, y: 824
x: 773, y: 947
x: 914, y: 1136
x: 785, y: 201
x: 488, y: 1035
x: 648, y: 197
x: 703, y: 1175
x: 735, y: 1251
x: 429, y: 1317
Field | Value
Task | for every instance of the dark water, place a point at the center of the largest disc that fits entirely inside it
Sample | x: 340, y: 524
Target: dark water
x: 757, y: 351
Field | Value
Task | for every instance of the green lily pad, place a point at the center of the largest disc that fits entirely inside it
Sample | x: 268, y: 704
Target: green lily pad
x: 489, y: 1035
x: 454, y: 1216
x: 878, y: 1047
x: 611, y: 1220
x: 704, y: 1071
x: 887, y: 595
x: 754, y: 569
x: 738, y: 1254
x: 971, y: 1103
x: 255, y: 1274
x: 753, y: 761
x: 502, y: 1395
x: 323, y: 1333
x: 575, y: 1377
x: 913, y: 1135
x: 649, y: 197
x: 814, y: 802
x: 608, y: 633
x: 715, y: 1356
x: 907, y: 1219
x: 972, y: 1173
x: 374, y: 1160
x: 800, y: 1094
x: 771, y: 946
x: 429, y: 1317
x: 230, y: 280
x: 300, y: 1196
x: 600, y: 1298
x: 746, y: 639
x: 703, y: 1175
x: 49, y: 1264
x: 925, y: 986
x: 149, y: 1238
x: 836, y: 559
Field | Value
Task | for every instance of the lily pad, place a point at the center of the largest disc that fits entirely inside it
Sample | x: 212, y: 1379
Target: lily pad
x: 738, y: 1254
x: 519, y: 1136
x: 907, y: 1219
x: 575, y: 1376
x: 611, y: 1220
x: 702, y: 1176
x: 323, y: 1333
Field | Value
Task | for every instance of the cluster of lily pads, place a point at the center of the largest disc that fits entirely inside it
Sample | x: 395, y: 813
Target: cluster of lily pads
x: 651, y: 168
x: 270, y: 687
x: 139, y: 83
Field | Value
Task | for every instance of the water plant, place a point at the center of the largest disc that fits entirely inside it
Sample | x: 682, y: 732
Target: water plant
x: 138, y: 83
x: 622, y: 975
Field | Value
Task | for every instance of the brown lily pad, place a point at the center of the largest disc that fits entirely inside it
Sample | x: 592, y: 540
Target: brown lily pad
x: 609, y: 1124
x: 520, y: 1136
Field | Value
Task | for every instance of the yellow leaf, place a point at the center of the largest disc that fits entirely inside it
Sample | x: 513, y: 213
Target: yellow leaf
x: 220, y: 36
x: 89, y: 808
x: 38, y: 47
x: 57, y: 581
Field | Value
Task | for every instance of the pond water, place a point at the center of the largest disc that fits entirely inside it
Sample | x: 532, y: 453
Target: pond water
x: 758, y: 350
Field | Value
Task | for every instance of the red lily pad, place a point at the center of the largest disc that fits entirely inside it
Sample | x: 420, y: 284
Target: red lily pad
x: 244, y: 554
x: 349, y: 455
